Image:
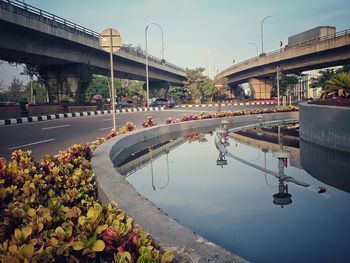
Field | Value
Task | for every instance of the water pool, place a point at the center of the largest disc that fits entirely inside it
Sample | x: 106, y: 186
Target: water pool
x: 233, y: 205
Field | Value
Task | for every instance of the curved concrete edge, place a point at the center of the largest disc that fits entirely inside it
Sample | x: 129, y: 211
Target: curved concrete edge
x: 165, y: 231
x: 324, y: 125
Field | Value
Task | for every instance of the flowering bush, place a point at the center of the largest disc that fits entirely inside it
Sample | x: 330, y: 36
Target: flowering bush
x: 148, y: 123
x: 337, y: 101
x: 128, y: 127
x: 211, y: 115
x: 49, y: 212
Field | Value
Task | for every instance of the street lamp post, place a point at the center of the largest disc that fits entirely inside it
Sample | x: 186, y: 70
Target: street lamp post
x: 162, y: 52
x: 256, y: 47
x: 262, y: 32
x: 146, y: 39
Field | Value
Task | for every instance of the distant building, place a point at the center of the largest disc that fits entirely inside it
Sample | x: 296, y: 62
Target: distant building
x: 312, y: 34
x: 310, y: 76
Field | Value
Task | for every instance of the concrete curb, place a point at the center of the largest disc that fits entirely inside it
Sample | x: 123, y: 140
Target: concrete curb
x: 73, y: 115
x: 165, y: 231
x: 228, y: 104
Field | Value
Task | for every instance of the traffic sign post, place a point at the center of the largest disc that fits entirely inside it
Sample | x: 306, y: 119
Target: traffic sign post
x: 111, y: 41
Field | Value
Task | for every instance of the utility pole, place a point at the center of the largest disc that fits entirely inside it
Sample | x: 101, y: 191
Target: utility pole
x: 278, y: 85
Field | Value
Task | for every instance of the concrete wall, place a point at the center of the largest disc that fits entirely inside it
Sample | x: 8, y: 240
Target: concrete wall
x: 113, y: 188
x: 35, y: 110
x: 325, y: 125
x: 10, y: 112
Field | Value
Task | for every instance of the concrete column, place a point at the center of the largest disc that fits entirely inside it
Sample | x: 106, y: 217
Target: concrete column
x: 66, y: 81
x: 261, y: 88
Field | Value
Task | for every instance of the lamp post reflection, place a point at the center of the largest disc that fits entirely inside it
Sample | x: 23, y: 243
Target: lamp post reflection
x: 152, y: 171
x: 283, y: 197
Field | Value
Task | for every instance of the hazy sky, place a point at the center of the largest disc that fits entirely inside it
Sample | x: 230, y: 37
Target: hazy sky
x: 200, y: 32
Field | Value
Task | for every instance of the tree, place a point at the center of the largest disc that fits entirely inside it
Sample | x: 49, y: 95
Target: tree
x: 286, y: 81
x: 84, y: 73
x: 345, y: 68
x: 15, y: 92
x: 129, y: 89
x: 320, y: 81
x: 340, y: 81
x: 179, y: 93
x: 98, y: 85
x: 221, y: 88
x: 39, y: 91
x: 194, y: 80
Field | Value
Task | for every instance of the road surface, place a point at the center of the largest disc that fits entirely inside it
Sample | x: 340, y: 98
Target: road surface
x: 55, y: 135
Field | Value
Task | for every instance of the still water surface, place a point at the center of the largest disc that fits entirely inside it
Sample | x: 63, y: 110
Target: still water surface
x: 233, y: 205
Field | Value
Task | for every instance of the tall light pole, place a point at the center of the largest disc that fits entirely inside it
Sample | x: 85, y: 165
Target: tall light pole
x: 262, y: 32
x: 278, y: 84
x: 162, y: 52
x: 146, y: 39
x: 256, y: 47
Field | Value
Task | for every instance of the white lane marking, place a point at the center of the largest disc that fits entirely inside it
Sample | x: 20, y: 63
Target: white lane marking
x: 29, y: 144
x: 55, y: 127
x: 109, y: 119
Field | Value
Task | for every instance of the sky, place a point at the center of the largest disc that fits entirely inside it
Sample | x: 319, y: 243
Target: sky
x: 199, y: 33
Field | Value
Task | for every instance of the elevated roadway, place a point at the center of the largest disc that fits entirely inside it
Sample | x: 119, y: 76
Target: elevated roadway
x: 36, y: 37
x: 330, y: 50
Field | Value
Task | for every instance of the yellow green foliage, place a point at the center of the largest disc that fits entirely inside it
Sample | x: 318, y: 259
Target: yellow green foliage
x: 49, y: 212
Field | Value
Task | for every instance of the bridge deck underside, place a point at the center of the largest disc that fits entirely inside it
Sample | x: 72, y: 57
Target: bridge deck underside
x: 24, y: 45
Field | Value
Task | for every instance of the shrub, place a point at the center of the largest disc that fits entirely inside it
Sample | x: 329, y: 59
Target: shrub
x: 50, y: 212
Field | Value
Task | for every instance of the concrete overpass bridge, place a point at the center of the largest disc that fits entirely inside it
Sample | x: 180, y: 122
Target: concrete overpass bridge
x: 327, y: 51
x: 35, y: 37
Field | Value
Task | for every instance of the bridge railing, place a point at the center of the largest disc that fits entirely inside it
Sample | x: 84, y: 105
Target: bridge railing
x: 299, y: 45
x: 55, y: 20
x: 50, y: 16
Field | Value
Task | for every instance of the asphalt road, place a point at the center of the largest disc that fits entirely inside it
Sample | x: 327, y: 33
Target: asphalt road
x: 55, y: 135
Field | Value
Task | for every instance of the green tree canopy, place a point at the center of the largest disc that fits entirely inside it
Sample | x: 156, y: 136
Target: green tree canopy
x: 38, y: 89
x: 320, y: 80
x: 339, y: 81
x: 15, y: 92
x: 125, y: 88
x: 203, y: 87
x: 286, y: 81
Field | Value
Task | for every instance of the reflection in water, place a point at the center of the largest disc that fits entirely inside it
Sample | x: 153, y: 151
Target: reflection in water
x: 327, y: 165
x: 282, y: 197
x: 232, y: 205
x: 166, y: 151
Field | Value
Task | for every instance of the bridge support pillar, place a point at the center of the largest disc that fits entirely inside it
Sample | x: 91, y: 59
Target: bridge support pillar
x: 67, y: 81
x: 261, y: 88
x: 158, y: 88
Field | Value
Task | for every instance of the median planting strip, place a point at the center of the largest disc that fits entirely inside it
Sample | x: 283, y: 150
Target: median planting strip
x: 51, y: 210
x: 267, y: 102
